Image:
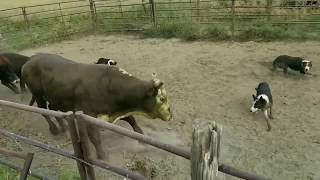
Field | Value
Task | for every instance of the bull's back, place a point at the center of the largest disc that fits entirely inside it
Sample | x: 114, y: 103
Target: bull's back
x: 55, y: 77
x: 43, y: 70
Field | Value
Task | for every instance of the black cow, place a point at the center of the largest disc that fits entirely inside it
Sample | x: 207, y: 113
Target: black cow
x: 7, y: 75
x: 16, y: 62
x: 95, y: 90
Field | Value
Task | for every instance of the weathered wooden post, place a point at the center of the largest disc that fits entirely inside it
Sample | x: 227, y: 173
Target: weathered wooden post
x: 85, y: 144
x: 205, y: 151
x: 26, y: 167
x: 269, y: 9
x: 198, y: 10
x: 25, y: 17
x: 76, y: 145
x: 27, y: 23
x: 153, y: 12
x: 93, y: 13
x: 233, y: 10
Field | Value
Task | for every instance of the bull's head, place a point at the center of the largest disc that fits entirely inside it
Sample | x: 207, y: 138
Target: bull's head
x: 7, y: 75
x: 157, y: 104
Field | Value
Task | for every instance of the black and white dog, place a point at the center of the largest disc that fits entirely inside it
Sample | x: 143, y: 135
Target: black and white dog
x: 295, y: 63
x: 263, y: 101
x: 106, y: 61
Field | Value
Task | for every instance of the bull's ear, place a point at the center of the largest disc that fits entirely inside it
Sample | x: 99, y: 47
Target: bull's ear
x: 254, y: 97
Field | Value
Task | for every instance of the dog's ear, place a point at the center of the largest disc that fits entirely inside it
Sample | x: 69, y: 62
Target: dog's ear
x: 254, y: 97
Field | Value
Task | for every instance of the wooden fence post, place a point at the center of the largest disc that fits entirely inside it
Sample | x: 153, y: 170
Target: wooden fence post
x: 269, y: 9
x: 153, y: 12
x: 233, y: 10
x: 85, y: 145
x: 93, y: 11
x: 76, y: 146
x: 198, y: 10
x: 25, y: 17
x: 205, y: 151
x: 26, y: 168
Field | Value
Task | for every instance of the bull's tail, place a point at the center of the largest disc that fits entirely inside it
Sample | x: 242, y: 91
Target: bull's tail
x: 33, y: 99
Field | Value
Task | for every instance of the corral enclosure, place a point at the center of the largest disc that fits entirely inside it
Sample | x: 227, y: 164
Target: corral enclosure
x: 205, y: 82
x: 195, y: 19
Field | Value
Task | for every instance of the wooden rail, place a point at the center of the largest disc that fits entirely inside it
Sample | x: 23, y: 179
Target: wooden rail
x: 112, y: 127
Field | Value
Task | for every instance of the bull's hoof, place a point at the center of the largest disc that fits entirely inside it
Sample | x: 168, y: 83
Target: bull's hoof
x: 54, y: 130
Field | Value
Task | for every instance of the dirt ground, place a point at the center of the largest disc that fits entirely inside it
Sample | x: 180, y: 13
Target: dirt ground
x: 205, y: 81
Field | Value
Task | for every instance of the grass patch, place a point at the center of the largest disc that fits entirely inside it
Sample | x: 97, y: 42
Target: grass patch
x: 16, y: 35
x: 263, y: 33
x: 9, y: 174
x: 153, y: 170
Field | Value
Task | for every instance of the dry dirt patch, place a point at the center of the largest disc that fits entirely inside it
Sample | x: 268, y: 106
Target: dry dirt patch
x: 207, y: 81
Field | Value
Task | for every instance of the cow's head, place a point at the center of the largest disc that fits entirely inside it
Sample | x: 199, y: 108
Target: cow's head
x: 7, y: 76
x: 106, y: 61
x: 156, y: 103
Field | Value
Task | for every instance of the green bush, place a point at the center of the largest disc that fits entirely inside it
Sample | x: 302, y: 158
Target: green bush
x: 264, y: 33
x: 217, y: 33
